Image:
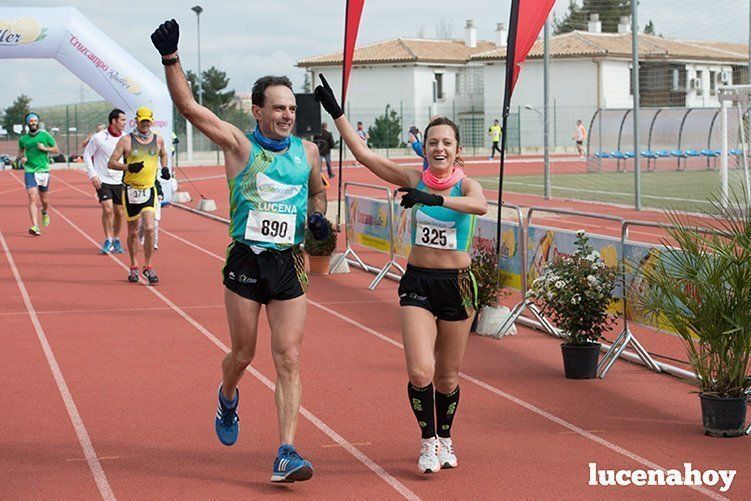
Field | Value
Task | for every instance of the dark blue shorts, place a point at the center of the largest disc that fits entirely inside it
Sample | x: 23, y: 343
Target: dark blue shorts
x: 39, y: 180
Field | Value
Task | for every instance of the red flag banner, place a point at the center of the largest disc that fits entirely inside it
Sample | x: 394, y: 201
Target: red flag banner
x: 530, y: 20
x: 351, y: 27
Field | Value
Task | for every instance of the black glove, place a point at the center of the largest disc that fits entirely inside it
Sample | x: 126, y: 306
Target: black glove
x: 318, y: 226
x: 325, y: 96
x: 413, y: 196
x: 135, y: 167
x: 165, y: 37
x: 165, y: 174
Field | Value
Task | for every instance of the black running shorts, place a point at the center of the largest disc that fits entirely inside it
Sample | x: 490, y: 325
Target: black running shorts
x: 447, y: 294
x: 112, y: 192
x: 268, y: 276
x: 136, y: 201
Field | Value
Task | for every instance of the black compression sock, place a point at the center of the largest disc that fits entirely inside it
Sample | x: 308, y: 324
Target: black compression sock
x: 421, y: 401
x: 445, y: 410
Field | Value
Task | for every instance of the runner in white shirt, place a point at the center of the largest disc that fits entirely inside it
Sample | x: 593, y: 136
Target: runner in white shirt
x: 108, y: 183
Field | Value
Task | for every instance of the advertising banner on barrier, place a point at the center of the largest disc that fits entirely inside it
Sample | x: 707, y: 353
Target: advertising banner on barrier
x: 368, y: 222
x: 511, y: 258
x: 546, y: 243
x: 402, y: 231
x: 640, y: 257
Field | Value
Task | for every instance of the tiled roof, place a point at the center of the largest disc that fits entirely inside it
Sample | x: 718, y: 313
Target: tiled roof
x: 586, y: 44
x: 405, y: 50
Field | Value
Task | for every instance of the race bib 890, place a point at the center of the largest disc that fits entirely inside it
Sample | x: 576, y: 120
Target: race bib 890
x: 270, y: 227
x: 429, y: 235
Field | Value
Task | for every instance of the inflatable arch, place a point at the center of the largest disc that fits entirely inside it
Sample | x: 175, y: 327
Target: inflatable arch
x: 64, y: 34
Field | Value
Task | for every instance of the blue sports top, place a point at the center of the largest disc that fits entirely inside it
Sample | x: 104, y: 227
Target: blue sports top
x: 442, y: 228
x: 269, y: 197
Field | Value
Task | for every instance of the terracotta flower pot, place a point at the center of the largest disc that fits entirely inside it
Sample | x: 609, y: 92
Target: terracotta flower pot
x: 319, y: 265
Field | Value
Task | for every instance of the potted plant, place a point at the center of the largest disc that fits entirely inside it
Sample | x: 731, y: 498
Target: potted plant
x: 319, y: 251
x: 701, y: 289
x: 575, y: 292
x: 490, y: 315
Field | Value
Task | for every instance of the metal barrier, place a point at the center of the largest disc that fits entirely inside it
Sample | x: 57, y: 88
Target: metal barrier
x: 522, y: 239
x: 670, y: 369
x: 625, y: 338
x: 380, y: 272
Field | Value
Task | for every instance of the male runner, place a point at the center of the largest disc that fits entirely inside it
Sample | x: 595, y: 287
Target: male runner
x: 140, y: 149
x: 274, y: 182
x: 34, y: 148
x: 107, y: 183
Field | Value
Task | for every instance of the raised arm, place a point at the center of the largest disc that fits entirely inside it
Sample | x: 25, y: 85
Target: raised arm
x: 225, y: 135
x: 389, y: 171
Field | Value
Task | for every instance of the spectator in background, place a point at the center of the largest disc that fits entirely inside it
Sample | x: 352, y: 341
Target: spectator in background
x: 362, y: 133
x: 415, y: 141
x: 495, y: 132
x: 579, y: 136
x: 85, y: 143
x: 325, y: 142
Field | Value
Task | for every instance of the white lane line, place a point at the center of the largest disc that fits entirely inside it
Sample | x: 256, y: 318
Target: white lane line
x: 75, y: 418
x: 530, y: 407
x: 354, y: 451
x: 111, y: 310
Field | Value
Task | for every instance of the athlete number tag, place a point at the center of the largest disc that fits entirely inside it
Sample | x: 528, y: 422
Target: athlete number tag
x: 429, y: 235
x: 270, y: 227
x: 42, y: 178
x: 138, y: 196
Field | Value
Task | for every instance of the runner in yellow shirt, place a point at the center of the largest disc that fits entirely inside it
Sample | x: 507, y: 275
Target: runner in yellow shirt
x: 495, y: 132
x: 140, y: 149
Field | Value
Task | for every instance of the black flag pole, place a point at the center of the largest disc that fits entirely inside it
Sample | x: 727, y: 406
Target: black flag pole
x: 341, y: 141
x: 510, y: 53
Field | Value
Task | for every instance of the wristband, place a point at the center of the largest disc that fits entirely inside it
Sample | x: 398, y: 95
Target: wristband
x: 170, y: 61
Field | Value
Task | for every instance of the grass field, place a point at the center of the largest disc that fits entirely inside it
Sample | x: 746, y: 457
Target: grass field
x: 686, y: 190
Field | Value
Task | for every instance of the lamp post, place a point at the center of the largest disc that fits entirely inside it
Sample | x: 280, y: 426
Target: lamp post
x: 198, y: 9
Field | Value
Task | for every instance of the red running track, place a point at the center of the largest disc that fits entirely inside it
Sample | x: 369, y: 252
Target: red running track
x: 138, y: 367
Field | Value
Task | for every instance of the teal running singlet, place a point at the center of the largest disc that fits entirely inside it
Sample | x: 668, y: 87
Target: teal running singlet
x: 269, y: 198
x: 442, y: 228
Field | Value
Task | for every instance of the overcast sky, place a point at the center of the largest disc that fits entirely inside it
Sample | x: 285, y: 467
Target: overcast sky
x: 252, y: 38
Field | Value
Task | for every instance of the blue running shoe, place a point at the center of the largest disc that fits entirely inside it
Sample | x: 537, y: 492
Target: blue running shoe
x: 106, y: 247
x: 290, y: 467
x: 226, y: 421
x: 117, y: 247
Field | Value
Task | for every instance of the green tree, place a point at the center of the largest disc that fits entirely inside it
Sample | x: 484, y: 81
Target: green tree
x: 576, y: 18
x: 214, y: 81
x: 386, y: 131
x: 649, y: 29
x: 15, y: 113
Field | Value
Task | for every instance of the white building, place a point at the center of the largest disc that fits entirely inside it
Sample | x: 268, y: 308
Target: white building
x: 464, y: 79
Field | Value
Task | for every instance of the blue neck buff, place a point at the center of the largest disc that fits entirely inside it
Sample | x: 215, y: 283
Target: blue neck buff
x: 275, y: 145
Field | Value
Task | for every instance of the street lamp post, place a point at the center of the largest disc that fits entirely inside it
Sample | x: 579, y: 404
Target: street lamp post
x: 198, y: 9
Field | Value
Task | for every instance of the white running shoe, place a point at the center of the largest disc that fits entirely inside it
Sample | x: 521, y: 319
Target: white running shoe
x: 428, y: 462
x: 446, y: 455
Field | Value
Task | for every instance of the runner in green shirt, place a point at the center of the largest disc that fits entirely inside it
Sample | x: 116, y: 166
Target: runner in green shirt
x: 33, y: 151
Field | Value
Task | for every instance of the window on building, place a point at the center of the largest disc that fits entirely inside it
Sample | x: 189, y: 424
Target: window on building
x: 439, y: 86
x: 699, y: 82
x: 713, y: 83
x: 678, y: 79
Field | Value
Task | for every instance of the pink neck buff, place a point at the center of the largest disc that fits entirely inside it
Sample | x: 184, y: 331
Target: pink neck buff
x: 442, y: 183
